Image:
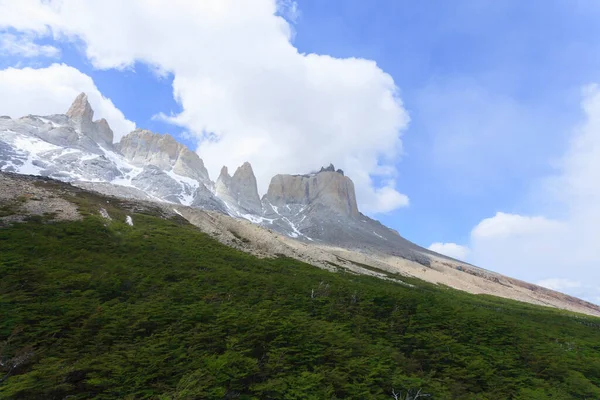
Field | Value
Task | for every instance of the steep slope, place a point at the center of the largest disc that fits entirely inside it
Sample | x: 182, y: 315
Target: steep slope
x: 24, y: 197
x: 322, y: 207
x: 126, y: 299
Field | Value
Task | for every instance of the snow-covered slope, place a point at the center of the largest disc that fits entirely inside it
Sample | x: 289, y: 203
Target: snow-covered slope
x: 69, y: 148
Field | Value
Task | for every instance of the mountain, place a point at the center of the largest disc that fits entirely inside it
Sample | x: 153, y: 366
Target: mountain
x: 73, y: 148
x: 322, y: 207
x: 317, y: 207
x: 312, y: 217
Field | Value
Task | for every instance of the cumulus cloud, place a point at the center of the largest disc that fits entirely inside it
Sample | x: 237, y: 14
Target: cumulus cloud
x: 246, y: 92
x: 451, y: 250
x: 24, y: 46
x: 51, y: 90
x: 540, y: 248
x: 504, y: 225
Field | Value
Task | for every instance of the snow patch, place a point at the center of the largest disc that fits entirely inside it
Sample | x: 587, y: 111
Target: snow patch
x: 188, y: 187
x: 104, y: 214
x: 378, y: 235
x: 33, y: 145
x: 256, y: 219
x: 47, y: 121
x: 296, y: 233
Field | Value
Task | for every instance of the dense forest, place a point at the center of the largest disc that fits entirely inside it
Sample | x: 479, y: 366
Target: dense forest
x: 160, y: 310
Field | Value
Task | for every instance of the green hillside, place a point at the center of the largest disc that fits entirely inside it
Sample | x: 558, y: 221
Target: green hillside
x: 102, y: 310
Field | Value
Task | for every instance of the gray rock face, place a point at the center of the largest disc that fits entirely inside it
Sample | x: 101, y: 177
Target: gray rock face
x: 330, y: 189
x: 142, y: 147
x: 240, y: 190
x: 81, y: 116
x: 322, y: 207
x: 205, y: 199
x: 103, y: 133
x: 159, y: 184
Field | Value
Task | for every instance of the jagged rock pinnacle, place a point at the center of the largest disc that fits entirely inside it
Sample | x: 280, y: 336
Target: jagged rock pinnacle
x: 224, y: 175
x: 81, y: 109
x: 240, y: 189
x: 81, y: 117
x: 331, y: 168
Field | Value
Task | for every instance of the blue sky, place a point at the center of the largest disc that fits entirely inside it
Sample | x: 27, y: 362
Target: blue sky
x: 453, y: 60
x: 493, y: 90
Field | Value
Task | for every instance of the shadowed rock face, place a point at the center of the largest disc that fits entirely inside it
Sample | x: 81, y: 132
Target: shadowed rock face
x: 330, y: 189
x: 240, y: 190
x: 143, y: 147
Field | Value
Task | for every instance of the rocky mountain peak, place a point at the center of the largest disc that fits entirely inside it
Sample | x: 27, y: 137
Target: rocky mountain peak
x: 224, y: 175
x: 81, y: 117
x: 328, y: 188
x: 244, y: 173
x: 102, y: 133
x: 240, y: 189
x: 331, y: 168
x: 81, y: 109
x: 143, y: 147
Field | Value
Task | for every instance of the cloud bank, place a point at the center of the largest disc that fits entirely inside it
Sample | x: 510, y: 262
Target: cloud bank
x: 246, y: 92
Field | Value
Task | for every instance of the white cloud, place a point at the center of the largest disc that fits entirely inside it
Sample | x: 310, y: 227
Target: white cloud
x: 538, y: 248
x: 383, y: 199
x: 239, y: 78
x: 51, y: 90
x: 24, y: 46
x: 451, y: 250
x: 507, y: 225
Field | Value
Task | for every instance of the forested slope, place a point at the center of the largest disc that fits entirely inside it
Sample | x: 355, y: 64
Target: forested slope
x: 158, y: 310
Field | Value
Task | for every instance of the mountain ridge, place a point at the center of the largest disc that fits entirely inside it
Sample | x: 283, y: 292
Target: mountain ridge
x: 318, y: 209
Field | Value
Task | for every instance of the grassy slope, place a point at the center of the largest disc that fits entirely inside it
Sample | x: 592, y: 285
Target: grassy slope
x: 160, y: 310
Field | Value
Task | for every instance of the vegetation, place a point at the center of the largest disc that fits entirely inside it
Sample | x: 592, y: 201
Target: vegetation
x: 99, y: 309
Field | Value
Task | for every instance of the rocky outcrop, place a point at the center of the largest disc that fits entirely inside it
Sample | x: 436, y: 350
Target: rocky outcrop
x: 239, y: 190
x: 81, y: 113
x: 81, y: 117
x: 326, y: 188
x: 143, y: 147
x: 322, y: 207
